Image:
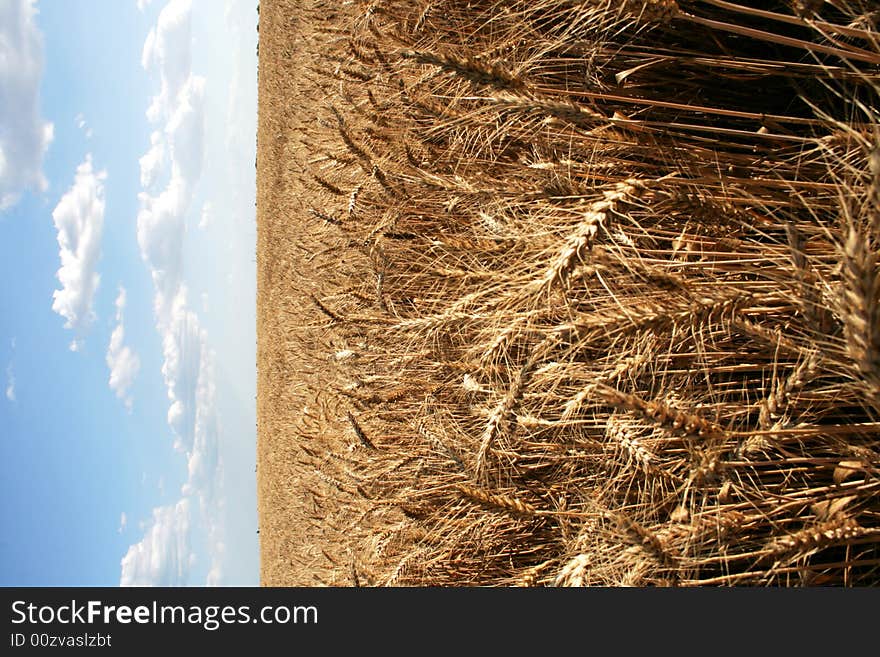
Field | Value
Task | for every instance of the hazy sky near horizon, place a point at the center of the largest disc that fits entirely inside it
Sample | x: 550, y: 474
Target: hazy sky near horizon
x: 127, y: 309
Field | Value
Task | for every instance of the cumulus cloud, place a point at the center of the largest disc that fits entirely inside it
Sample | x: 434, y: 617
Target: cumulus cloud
x: 161, y: 221
x: 204, y: 456
x: 124, y: 364
x: 184, y: 348
x: 168, y: 51
x: 189, y: 375
x: 185, y: 131
x: 153, y: 161
x: 10, y: 383
x: 164, y: 556
x: 79, y: 220
x: 123, y: 522
x: 205, y: 467
x: 161, y: 224
x: 24, y: 135
x: 176, y: 155
x: 176, y: 148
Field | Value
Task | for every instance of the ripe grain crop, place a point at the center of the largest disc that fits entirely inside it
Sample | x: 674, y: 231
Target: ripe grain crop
x: 605, y: 278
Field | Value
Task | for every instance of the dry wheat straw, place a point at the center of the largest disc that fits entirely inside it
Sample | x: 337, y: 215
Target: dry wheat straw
x: 612, y: 264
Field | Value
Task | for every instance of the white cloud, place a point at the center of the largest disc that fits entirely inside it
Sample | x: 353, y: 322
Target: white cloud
x: 205, y: 467
x: 123, y: 522
x: 148, y: 52
x: 185, y: 130
x: 79, y: 219
x: 161, y: 221
x: 215, y: 575
x: 177, y: 149
x: 24, y: 135
x: 143, y: 4
x: 10, y: 383
x: 121, y: 301
x: 160, y: 233
x: 124, y: 364
x: 207, y: 216
x: 168, y: 51
x: 164, y: 556
x: 188, y: 370
x: 184, y: 349
x: 153, y: 161
x: 176, y: 154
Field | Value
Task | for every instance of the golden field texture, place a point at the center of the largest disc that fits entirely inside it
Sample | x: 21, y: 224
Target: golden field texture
x: 569, y: 293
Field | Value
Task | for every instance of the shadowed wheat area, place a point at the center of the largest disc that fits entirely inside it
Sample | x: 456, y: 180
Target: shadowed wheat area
x: 559, y: 292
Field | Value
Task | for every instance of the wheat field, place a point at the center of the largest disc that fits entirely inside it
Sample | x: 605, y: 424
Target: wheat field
x: 569, y: 293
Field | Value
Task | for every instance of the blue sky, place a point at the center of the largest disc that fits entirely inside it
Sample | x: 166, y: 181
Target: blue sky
x: 127, y: 309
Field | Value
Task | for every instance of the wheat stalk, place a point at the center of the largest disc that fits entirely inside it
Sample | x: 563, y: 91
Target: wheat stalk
x: 861, y: 309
